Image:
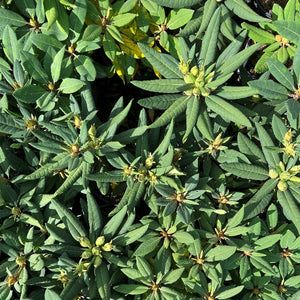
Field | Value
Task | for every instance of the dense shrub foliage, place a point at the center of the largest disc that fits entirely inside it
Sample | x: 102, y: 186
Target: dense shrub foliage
x: 188, y: 188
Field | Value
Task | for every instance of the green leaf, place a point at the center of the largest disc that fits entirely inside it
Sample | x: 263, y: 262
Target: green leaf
x: 95, y: 218
x: 209, y: 9
x: 279, y: 128
x: 266, y: 242
x: 115, y: 33
x: 144, y: 267
x: 246, y: 171
x: 192, y: 113
x: 69, y: 219
x: 43, y: 42
x: 161, y: 85
x: 179, y: 18
x: 71, y: 85
x: 77, y: 19
x: 57, y: 64
x: 163, y: 146
x: 9, y: 17
x: 30, y: 93
x: 259, y: 35
x: 262, y: 265
x: 210, y: 39
x: 131, y: 236
x: 71, y: 179
x: 62, y: 20
x: 235, y: 61
x: 131, y: 289
x: 111, y: 227
x: 266, y: 142
x: 147, y: 246
x: 290, y: 207
x: 260, y: 200
x: 177, y: 3
x: 242, y: 10
x: 219, y: 253
x: 10, y: 44
x: 121, y: 20
x: 109, y: 46
x: 172, y: 276
x: 159, y: 102
x: 236, y: 219
x: 165, y: 64
x: 226, y: 110
x: 172, y: 112
x: 33, y: 66
x: 51, y: 12
x: 234, y: 92
x: 204, y: 123
x: 281, y: 73
x: 288, y: 29
x: 248, y: 147
x: 269, y: 89
x: 51, y: 295
x: 230, y: 292
x: 85, y: 67
x: 9, y: 124
x: 102, y: 281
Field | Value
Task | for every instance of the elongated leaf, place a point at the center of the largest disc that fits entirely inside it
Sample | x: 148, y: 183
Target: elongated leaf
x: 29, y: 93
x: 9, y: 17
x: 220, y: 253
x: 259, y: 35
x: 9, y: 124
x: 71, y: 179
x: 131, y: 236
x: 288, y: 29
x: 172, y: 276
x: 230, y: 292
x: 77, y: 18
x: 236, y: 219
x: 43, y: 42
x: 161, y: 85
x: 71, y: 85
x: 234, y: 92
x: 56, y: 64
x: 10, y: 44
x: 177, y: 3
x: 165, y: 64
x: 112, y: 176
x: 281, y: 73
x: 241, y: 9
x: 260, y: 200
x: 226, y: 110
x: 147, y: 246
x: 159, y: 102
x: 95, y: 218
x: 102, y: 280
x: 192, y: 113
x: 262, y: 265
x: 248, y: 147
x: 209, y: 42
x: 131, y: 289
x: 266, y: 242
x: 69, y: 219
x: 279, y: 128
x: 231, y: 64
x: 290, y: 208
x: 179, y: 18
x: 246, y: 171
x: 271, y: 156
x: 171, y: 113
x: 204, y: 123
x: 269, y: 89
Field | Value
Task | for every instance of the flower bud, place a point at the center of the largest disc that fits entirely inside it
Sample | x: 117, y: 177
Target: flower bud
x: 86, y: 254
x: 282, y: 186
x: 96, y: 251
x: 97, y: 261
x: 288, y: 136
x: 273, y: 173
x: 149, y: 161
x: 21, y: 260
x: 92, y: 131
x: 100, y: 241
x: 184, y: 67
x: 108, y: 247
x: 195, y: 71
x: 285, y: 175
x: 16, y: 211
x: 77, y: 121
x: 85, y: 242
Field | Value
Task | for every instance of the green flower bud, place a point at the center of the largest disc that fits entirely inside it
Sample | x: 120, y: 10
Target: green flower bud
x: 85, y: 242
x: 282, y: 186
x: 97, y: 261
x: 96, y: 251
x: 149, y: 161
x: 92, y: 131
x: 273, y: 173
x: 183, y: 67
x: 86, y: 254
x: 195, y: 71
x: 21, y: 260
x: 16, y: 211
x: 108, y: 247
x: 285, y: 175
x: 100, y: 241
